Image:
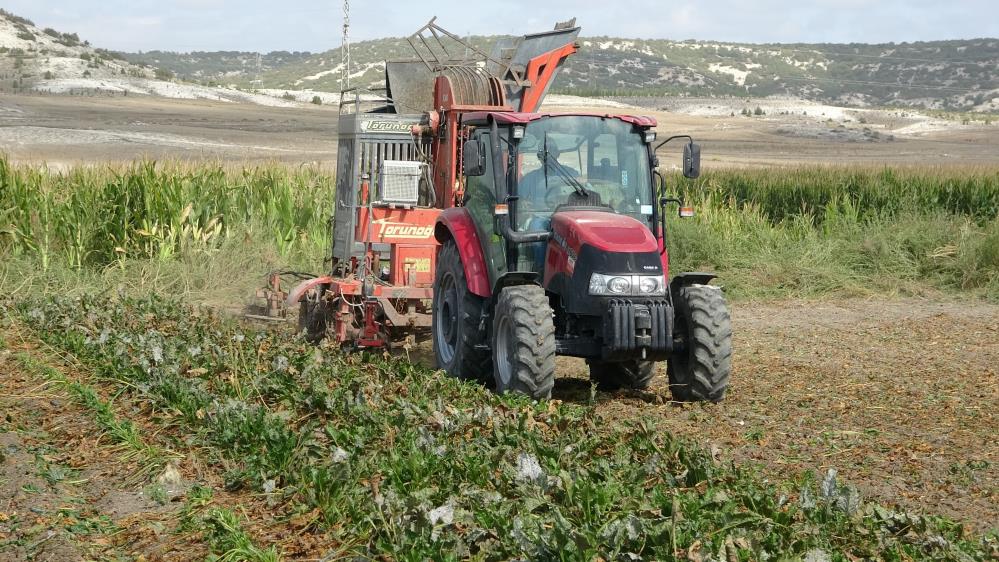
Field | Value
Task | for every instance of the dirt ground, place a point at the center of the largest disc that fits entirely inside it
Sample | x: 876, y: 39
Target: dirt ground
x: 901, y: 397
x: 69, y: 492
x: 64, y: 488
x: 66, y: 130
x: 63, y: 130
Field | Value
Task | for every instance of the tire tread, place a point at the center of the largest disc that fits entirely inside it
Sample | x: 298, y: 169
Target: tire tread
x: 702, y: 373
x: 533, y: 335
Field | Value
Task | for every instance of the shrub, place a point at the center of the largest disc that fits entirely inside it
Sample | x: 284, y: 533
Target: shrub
x: 15, y: 19
x: 70, y: 39
x: 317, y: 100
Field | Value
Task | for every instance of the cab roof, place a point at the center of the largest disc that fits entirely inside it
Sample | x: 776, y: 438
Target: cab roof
x: 517, y: 118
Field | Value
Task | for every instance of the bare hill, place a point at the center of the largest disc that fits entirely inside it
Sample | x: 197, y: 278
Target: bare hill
x: 32, y: 57
x: 955, y: 75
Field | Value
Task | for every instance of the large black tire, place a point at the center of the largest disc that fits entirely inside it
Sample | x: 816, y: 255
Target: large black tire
x: 524, y: 342
x: 635, y: 374
x: 456, y: 315
x: 699, y: 370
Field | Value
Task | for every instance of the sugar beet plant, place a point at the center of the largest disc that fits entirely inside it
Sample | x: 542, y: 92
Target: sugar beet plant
x: 386, y: 459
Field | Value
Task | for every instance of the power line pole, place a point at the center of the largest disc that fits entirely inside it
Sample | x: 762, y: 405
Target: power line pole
x: 257, y: 82
x: 345, y: 48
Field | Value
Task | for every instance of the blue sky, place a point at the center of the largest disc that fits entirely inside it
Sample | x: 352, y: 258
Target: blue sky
x: 256, y: 25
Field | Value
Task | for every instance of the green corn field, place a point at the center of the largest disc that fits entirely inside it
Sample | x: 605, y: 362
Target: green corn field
x: 776, y: 232
x: 872, y: 192
x: 96, y: 216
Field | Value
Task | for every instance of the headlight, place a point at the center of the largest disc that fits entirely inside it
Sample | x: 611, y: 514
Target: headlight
x: 628, y: 285
x: 619, y: 285
x: 609, y: 284
x: 650, y: 285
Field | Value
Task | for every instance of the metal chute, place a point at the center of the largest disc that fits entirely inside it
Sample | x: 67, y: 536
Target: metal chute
x: 524, y: 67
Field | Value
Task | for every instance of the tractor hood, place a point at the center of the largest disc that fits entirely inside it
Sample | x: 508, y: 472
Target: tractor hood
x: 585, y: 242
x: 603, y: 230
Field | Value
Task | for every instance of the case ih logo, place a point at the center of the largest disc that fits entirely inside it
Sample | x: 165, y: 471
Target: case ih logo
x: 389, y: 229
x: 386, y: 126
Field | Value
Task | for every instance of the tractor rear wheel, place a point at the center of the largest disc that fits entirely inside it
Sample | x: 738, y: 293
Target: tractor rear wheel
x: 699, y: 369
x: 524, y: 342
x: 455, y: 319
x: 635, y: 374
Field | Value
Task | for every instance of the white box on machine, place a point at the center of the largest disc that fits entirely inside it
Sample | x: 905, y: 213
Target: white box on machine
x: 399, y: 182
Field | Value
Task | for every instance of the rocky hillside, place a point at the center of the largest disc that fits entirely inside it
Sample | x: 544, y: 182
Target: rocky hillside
x: 220, y: 67
x: 32, y: 58
x: 35, y: 60
x: 954, y: 75
x: 961, y: 75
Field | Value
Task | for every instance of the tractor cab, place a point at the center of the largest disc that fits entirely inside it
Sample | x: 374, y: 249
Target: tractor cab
x: 551, y: 164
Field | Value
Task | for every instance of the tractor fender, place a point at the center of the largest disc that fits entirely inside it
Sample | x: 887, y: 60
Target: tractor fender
x: 457, y: 223
x: 690, y: 278
x: 296, y: 294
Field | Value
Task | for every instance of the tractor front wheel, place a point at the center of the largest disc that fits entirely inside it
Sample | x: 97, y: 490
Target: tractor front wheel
x: 635, y: 374
x: 455, y: 319
x: 699, y: 369
x: 524, y: 342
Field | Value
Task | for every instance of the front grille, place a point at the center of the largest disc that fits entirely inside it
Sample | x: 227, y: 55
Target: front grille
x: 632, y: 326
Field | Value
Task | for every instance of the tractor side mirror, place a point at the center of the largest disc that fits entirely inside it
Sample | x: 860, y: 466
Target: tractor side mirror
x: 691, y: 160
x: 473, y: 158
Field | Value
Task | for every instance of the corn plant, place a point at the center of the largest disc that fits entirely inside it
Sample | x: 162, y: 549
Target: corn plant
x: 99, y: 216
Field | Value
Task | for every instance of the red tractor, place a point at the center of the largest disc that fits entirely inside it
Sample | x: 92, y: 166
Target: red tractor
x: 512, y: 236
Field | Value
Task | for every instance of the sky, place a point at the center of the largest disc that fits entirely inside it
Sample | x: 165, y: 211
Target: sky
x: 257, y: 25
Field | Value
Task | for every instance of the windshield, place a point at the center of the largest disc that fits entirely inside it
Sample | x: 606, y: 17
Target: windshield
x: 585, y: 160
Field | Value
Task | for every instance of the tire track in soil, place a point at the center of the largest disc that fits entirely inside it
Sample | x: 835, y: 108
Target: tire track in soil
x: 901, y: 397
x: 43, y: 416
x: 95, y: 508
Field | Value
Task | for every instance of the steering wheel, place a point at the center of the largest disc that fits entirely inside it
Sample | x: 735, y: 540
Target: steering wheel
x: 554, y: 195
